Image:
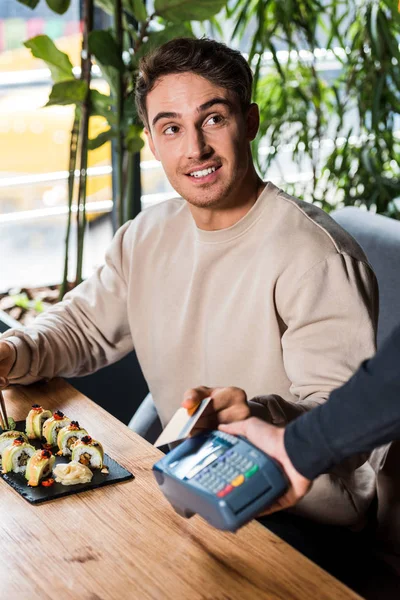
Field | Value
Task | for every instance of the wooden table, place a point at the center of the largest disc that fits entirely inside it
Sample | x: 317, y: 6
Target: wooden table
x: 125, y: 541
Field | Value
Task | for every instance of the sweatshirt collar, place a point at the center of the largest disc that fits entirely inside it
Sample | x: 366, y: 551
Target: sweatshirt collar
x: 241, y: 226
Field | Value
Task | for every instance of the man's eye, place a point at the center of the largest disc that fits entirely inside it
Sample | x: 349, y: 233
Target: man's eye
x: 171, y: 130
x: 214, y: 120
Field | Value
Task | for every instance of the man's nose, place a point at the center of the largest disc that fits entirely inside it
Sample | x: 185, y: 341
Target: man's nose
x: 196, y: 144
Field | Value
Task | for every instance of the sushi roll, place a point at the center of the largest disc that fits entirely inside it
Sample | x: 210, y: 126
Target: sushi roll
x: 7, y: 438
x: 39, y: 466
x: 69, y: 435
x: 34, y: 421
x: 16, y: 456
x: 88, y: 452
x: 52, y: 426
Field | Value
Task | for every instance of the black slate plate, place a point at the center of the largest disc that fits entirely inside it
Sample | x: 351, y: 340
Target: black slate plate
x: 36, y: 495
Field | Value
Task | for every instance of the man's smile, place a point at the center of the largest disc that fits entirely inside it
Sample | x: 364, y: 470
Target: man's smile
x: 203, y: 174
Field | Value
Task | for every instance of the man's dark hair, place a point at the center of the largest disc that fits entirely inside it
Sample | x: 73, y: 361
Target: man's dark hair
x: 212, y: 60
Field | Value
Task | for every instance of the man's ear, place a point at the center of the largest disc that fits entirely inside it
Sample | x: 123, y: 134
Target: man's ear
x: 151, y: 143
x: 252, y: 121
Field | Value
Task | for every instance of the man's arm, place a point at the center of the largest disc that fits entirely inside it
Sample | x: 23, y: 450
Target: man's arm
x: 329, y: 328
x: 329, y: 318
x: 86, y: 331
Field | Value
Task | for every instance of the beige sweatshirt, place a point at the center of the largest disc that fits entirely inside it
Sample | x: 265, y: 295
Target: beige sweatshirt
x: 283, y: 302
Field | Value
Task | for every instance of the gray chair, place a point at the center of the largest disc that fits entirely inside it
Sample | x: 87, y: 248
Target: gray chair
x: 380, y: 239
x: 145, y: 421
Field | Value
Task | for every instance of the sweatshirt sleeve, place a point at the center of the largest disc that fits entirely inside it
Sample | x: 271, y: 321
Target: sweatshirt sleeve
x: 360, y: 416
x: 86, y: 331
x: 329, y: 328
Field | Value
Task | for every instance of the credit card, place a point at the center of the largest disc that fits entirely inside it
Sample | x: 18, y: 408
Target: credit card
x: 181, y: 424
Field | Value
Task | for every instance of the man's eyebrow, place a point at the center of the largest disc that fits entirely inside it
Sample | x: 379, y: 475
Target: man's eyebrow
x: 165, y: 115
x: 214, y: 101
x: 201, y: 108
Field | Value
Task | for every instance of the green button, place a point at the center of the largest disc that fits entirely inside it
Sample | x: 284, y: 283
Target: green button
x: 251, y: 471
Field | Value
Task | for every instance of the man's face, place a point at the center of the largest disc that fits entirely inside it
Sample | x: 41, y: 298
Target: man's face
x: 201, y: 136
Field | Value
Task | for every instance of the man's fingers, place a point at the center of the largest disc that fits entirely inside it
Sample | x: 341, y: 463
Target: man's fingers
x: 193, y: 397
x: 212, y: 418
x: 233, y: 414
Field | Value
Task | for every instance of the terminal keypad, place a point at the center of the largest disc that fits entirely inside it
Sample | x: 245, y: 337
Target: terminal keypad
x: 226, y: 473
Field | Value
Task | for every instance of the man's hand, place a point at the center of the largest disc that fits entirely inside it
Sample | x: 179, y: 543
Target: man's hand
x: 7, y: 359
x: 227, y: 405
x: 270, y: 439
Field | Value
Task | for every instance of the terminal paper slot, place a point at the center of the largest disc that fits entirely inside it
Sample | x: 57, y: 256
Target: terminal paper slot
x: 239, y: 502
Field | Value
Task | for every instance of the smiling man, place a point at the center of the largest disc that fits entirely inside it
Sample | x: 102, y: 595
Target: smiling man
x: 232, y: 283
x: 201, y: 146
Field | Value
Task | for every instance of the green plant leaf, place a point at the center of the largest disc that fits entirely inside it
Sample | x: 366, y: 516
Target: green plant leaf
x: 101, y: 105
x: 111, y: 75
x: 59, y: 6
x: 187, y: 10
x: 376, y: 106
x: 106, y: 5
x: 129, y: 112
x: 29, y: 3
x: 133, y: 140
x: 104, y: 48
x: 374, y: 28
x: 67, y: 92
x: 389, y: 34
x: 127, y: 5
x: 157, y: 38
x: 138, y: 10
x: 58, y: 62
x: 102, y: 138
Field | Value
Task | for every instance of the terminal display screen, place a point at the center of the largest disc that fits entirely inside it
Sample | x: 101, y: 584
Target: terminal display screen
x: 188, y: 466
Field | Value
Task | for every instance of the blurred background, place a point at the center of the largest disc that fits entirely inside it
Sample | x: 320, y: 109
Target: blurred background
x: 327, y: 82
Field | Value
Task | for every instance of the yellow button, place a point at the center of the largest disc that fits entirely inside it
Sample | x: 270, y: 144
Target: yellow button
x: 237, y: 481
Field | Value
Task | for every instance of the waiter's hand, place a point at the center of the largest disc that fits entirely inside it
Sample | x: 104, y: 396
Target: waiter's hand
x: 7, y: 359
x: 270, y: 439
x: 227, y: 405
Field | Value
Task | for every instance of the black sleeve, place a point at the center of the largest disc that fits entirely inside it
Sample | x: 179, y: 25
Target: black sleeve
x: 358, y: 417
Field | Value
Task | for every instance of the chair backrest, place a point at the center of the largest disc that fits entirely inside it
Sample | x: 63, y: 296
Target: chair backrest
x: 379, y: 237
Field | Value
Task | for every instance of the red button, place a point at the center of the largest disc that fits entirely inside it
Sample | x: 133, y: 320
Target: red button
x: 225, y: 491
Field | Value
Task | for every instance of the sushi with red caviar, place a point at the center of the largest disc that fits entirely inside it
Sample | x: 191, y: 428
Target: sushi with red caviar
x: 16, y: 456
x: 7, y: 438
x: 52, y: 426
x: 88, y: 452
x: 39, y: 466
x: 34, y: 421
x: 68, y: 435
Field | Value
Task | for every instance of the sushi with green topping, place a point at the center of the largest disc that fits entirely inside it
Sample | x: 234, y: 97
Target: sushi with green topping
x: 16, y: 456
x: 39, y: 466
x: 67, y: 436
x: 52, y: 426
x: 34, y: 421
x: 88, y: 452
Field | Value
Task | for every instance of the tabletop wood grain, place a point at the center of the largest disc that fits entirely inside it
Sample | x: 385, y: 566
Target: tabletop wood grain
x: 125, y: 541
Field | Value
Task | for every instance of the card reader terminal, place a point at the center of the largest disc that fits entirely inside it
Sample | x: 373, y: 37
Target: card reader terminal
x: 221, y: 477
